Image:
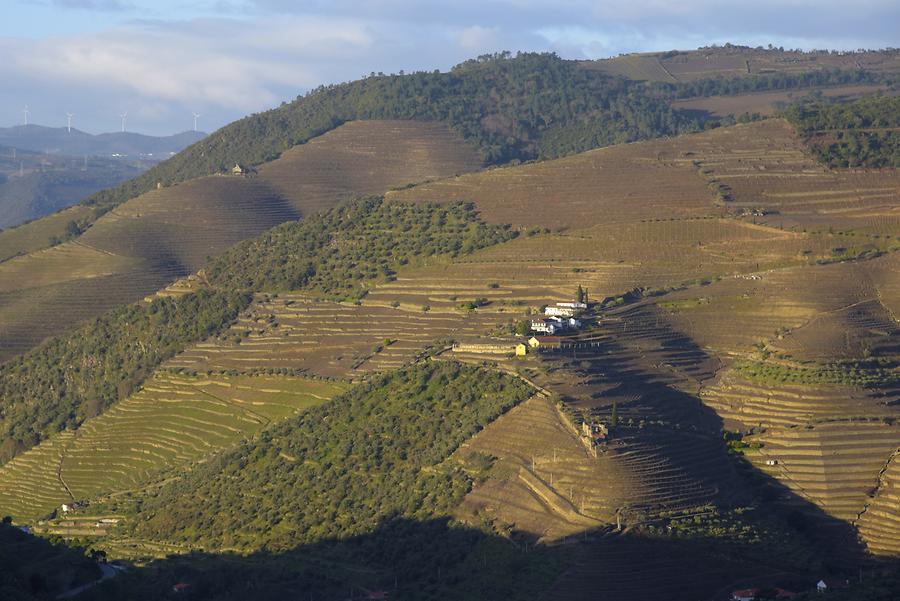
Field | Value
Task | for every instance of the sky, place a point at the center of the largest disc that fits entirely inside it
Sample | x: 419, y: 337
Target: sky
x: 161, y: 61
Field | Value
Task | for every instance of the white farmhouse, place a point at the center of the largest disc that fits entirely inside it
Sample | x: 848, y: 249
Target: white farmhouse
x: 544, y: 326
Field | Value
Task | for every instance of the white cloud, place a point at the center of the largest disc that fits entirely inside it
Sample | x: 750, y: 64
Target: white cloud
x: 476, y: 37
x: 229, y: 57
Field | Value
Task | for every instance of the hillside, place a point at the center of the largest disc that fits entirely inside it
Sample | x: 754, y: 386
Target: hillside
x: 774, y: 279
x: 150, y: 241
x: 504, y: 105
x: 331, y: 390
x: 533, y: 106
x: 35, y: 569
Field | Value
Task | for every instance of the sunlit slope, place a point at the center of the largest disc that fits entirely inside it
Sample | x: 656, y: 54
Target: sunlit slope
x: 366, y: 157
x: 621, y: 184
x: 147, y: 242
x: 173, y: 421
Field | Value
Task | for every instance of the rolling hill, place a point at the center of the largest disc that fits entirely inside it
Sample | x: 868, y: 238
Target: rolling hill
x: 367, y: 413
x: 168, y: 233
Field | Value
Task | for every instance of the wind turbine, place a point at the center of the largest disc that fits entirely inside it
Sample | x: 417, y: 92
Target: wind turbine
x: 124, y: 117
x: 69, y: 121
x: 26, y: 112
x: 196, y: 116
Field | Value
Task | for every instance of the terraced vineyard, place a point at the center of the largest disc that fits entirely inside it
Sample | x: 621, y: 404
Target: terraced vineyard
x: 363, y: 158
x: 737, y: 288
x: 174, y: 421
x: 146, y: 243
x: 544, y: 481
x: 765, y: 167
x: 826, y: 437
x: 334, y: 339
x: 834, y: 464
x: 30, y: 485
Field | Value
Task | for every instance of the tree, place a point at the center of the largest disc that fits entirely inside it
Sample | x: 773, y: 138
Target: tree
x: 579, y: 294
x: 522, y: 328
x: 614, y: 418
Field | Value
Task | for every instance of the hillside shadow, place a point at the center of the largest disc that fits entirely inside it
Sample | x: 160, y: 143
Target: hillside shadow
x: 438, y: 560
x: 659, y: 416
x: 435, y: 559
x: 36, y: 568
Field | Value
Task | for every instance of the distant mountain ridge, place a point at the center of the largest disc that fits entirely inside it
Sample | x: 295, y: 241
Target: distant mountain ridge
x: 59, y: 140
x: 34, y: 184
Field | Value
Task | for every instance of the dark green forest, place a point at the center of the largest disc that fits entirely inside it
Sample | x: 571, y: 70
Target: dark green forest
x: 863, y: 133
x: 336, y: 471
x: 78, y: 375
x: 341, y: 251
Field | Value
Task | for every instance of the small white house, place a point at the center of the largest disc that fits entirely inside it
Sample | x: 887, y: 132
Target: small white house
x: 821, y: 586
x: 771, y: 462
x: 66, y: 508
x: 544, y: 326
x: 559, y: 311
